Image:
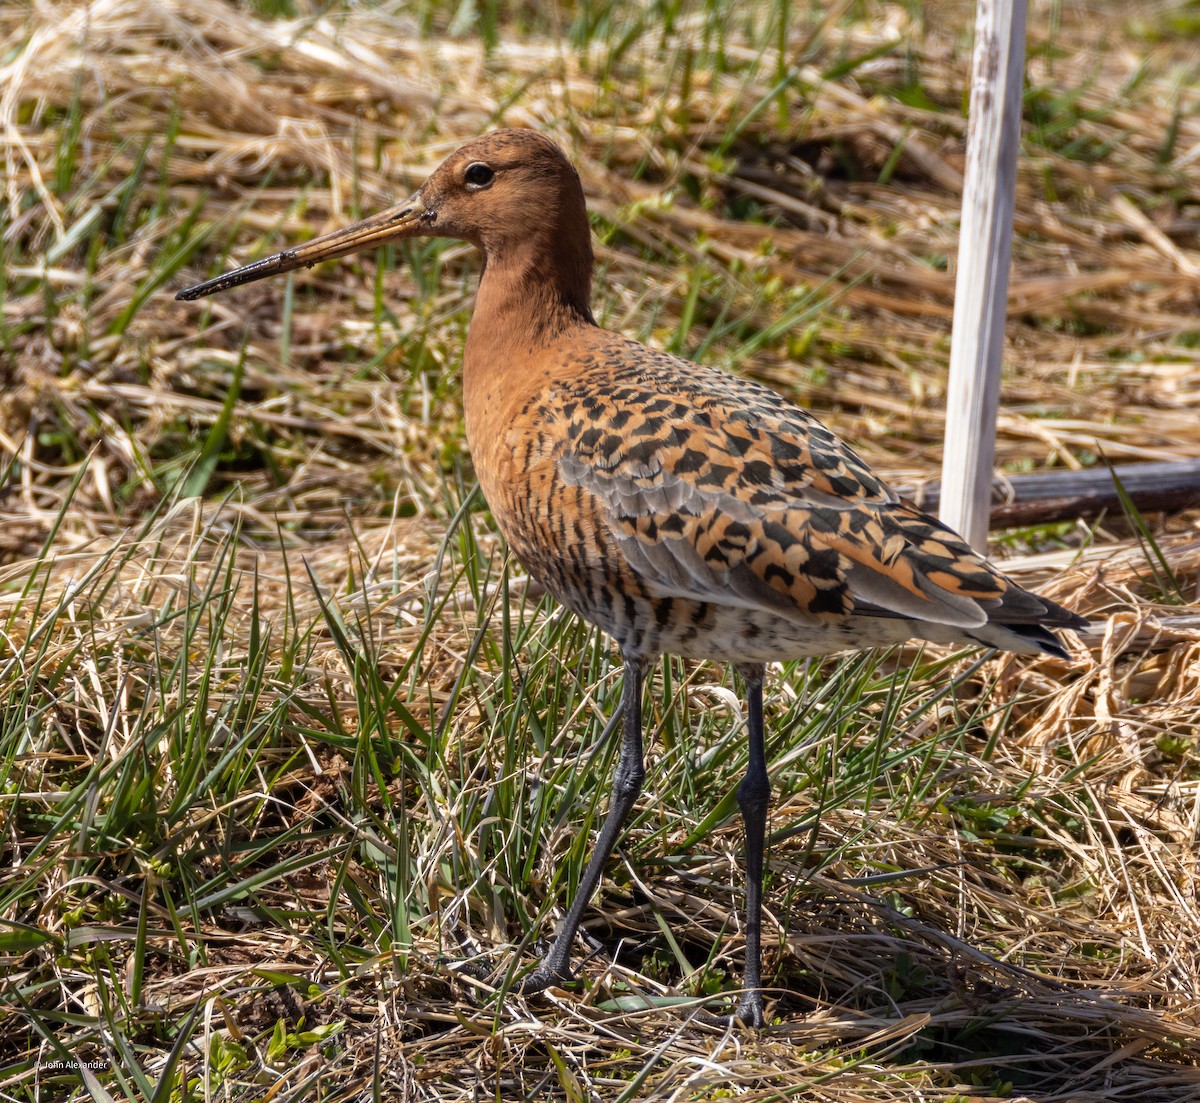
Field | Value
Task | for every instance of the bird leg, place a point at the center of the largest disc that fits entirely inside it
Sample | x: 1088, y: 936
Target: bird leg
x: 627, y: 784
x: 754, y: 796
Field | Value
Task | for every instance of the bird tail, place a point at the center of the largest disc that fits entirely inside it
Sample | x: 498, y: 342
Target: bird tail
x: 1032, y: 636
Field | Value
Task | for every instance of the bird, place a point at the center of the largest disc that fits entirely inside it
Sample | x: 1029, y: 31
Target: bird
x: 678, y: 507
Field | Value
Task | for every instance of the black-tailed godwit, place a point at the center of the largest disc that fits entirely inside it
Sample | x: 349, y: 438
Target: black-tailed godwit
x: 679, y: 508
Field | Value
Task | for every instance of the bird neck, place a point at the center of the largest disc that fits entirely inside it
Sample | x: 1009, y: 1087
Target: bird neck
x: 531, y: 292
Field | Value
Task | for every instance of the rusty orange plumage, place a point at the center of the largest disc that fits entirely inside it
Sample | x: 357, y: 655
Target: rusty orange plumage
x: 679, y: 508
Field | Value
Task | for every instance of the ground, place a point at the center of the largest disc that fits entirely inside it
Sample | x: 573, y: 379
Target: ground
x: 285, y: 737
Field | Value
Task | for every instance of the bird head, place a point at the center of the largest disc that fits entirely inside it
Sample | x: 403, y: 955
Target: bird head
x: 496, y: 191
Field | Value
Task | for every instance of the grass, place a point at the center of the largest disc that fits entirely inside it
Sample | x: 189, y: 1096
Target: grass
x: 286, y: 737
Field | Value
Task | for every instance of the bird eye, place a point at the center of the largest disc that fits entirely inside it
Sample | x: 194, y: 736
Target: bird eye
x: 478, y: 175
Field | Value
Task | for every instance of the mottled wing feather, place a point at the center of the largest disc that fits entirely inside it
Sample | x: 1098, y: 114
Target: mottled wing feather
x: 717, y: 490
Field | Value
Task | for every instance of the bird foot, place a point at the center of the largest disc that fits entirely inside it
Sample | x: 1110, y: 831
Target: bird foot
x: 490, y: 974
x: 542, y: 978
x: 750, y: 1010
x: 482, y: 971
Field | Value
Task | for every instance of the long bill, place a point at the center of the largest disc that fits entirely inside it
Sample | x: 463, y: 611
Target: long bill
x: 405, y: 218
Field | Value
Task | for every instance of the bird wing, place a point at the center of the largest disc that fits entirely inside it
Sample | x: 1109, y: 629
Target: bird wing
x: 718, y: 490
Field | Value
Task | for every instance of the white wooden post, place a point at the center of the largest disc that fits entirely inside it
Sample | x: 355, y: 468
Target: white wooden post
x: 981, y: 290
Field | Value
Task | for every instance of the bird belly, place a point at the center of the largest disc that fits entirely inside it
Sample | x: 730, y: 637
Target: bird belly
x: 586, y: 572
x: 727, y: 633
x: 560, y: 534
x: 646, y: 625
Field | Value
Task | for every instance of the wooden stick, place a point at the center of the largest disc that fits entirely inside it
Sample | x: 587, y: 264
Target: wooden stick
x: 1063, y: 495
x: 981, y: 289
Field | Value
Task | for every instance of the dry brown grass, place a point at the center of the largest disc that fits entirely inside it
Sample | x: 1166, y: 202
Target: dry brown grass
x: 1044, y: 919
